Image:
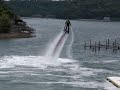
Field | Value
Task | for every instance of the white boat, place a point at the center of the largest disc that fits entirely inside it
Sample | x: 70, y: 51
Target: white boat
x: 114, y: 80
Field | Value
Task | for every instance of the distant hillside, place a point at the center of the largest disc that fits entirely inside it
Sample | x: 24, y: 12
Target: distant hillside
x: 76, y: 9
x: 29, y: 8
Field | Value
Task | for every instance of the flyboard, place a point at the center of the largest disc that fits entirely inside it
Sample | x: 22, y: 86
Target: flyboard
x: 114, y: 80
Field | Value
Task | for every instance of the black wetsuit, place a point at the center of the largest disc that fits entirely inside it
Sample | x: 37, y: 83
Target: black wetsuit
x: 67, y: 26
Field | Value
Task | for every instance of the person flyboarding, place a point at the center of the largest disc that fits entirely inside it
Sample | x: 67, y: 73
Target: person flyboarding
x: 66, y: 30
x: 67, y: 26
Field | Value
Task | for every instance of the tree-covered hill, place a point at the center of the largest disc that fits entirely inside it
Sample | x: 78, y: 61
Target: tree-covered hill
x: 31, y: 8
x: 75, y: 9
x: 11, y: 25
x: 5, y: 18
x: 96, y: 8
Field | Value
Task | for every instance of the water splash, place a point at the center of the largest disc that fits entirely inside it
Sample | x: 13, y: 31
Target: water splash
x: 59, y: 48
x: 56, y: 46
x: 52, y: 45
x: 69, y: 48
x: 66, y: 72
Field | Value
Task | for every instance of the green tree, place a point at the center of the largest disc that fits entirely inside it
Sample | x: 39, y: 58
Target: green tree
x: 5, y: 24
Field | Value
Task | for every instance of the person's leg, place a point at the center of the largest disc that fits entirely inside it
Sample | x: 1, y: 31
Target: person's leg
x: 68, y: 29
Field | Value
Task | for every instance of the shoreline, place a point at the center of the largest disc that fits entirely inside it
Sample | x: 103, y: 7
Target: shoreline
x: 77, y: 19
x: 15, y: 35
x: 98, y: 20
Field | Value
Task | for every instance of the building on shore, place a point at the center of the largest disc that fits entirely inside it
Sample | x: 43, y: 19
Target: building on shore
x: 107, y: 19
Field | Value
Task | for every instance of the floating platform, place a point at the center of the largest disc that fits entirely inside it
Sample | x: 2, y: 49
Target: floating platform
x: 115, y: 81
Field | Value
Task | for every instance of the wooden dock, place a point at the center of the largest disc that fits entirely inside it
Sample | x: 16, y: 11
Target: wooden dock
x: 97, y: 45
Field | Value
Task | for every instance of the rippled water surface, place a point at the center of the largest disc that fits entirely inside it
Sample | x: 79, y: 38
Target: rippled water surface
x: 24, y: 67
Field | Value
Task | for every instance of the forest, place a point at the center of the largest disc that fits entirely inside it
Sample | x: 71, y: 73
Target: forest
x: 5, y: 18
x: 68, y: 9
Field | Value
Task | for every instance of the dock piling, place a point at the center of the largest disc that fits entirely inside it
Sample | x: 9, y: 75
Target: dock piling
x: 115, y: 45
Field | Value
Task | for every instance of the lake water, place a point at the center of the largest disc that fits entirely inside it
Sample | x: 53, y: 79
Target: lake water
x: 22, y: 66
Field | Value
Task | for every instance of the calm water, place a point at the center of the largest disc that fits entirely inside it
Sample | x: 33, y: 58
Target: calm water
x: 22, y: 66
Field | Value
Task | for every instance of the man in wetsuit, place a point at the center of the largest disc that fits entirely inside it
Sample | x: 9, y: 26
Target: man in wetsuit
x: 67, y: 26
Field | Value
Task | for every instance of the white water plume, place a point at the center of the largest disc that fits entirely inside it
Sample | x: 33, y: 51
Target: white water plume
x: 69, y: 48
x: 52, y: 45
x: 56, y: 46
x: 60, y: 47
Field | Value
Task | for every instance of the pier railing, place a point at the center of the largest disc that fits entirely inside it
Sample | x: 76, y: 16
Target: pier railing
x: 98, y: 45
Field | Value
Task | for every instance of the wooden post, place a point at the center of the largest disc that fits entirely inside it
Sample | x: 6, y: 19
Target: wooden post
x: 113, y: 46
x: 85, y: 46
x: 108, y: 43
x: 118, y: 47
x: 99, y: 45
x: 90, y: 44
x: 95, y: 46
x: 115, y: 43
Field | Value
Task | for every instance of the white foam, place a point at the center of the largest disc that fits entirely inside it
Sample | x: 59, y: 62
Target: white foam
x: 75, y: 73
x: 60, y: 47
x: 105, y: 61
x: 56, y: 46
x: 33, y: 61
x: 69, y: 48
x: 84, y: 84
x: 73, y: 83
